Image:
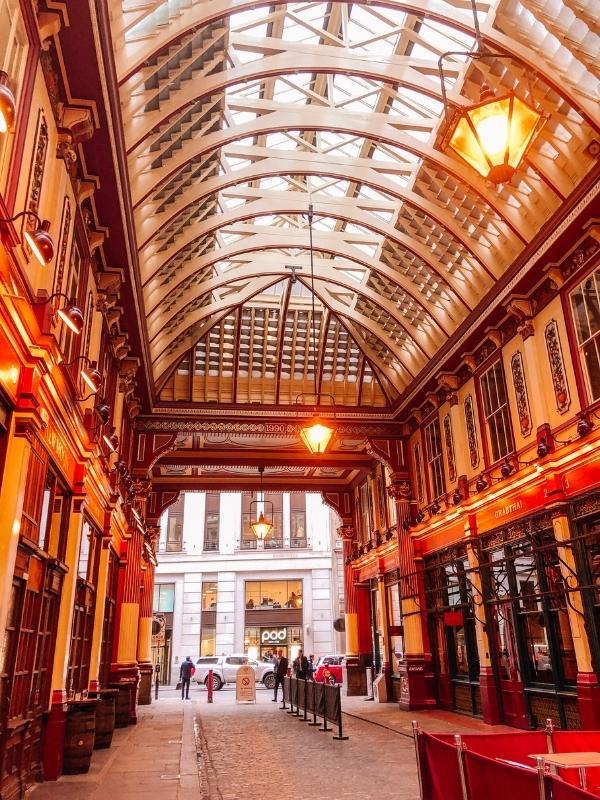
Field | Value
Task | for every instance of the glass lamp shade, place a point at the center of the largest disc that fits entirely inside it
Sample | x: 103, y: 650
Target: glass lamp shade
x: 92, y: 378
x: 493, y: 135
x: 7, y: 104
x: 72, y: 317
x: 262, y: 527
x: 316, y: 436
x: 40, y: 243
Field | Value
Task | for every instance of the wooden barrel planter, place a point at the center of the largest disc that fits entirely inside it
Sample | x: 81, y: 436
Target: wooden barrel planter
x: 122, y: 706
x: 79, y: 736
x: 105, y: 717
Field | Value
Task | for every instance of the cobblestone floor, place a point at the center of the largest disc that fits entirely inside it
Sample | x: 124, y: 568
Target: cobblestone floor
x: 257, y: 752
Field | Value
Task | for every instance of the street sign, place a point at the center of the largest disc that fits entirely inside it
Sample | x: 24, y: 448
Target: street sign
x: 245, y: 685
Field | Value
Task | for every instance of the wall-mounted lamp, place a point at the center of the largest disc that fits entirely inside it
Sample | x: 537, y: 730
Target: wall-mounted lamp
x: 506, y: 468
x: 111, y: 440
x: 420, y: 516
x: 102, y: 410
x: 543, y: 448
x: 481, y: 483
x: 457, y: 497
x: 70, y: 314
x: 435, y: 507
x: 39, y: 240
x: 7, y: 104
x: 584, y: 426
x: 89, y: 374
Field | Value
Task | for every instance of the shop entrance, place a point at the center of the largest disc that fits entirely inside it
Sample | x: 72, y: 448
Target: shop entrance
x: 268, y: 652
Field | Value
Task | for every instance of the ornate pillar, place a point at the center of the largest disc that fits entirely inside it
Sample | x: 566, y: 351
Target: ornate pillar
x: 125, y: 673
x: 588, y: 687
x: 57, y: 720
x: 416, y: 669
x: 101, y: 586
x: 144, y: 644
x: 386, y: 667
x: 490, y: 702
x: 354, y: 680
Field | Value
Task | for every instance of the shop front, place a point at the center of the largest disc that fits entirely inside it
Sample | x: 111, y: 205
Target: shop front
x: 262, y: 643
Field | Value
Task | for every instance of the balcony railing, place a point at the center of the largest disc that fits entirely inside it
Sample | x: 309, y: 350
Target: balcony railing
x: 210, y: 545
x: 298, y: 544
x: 248, y: 544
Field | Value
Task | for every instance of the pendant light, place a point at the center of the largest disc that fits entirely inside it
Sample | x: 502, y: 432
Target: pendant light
x: 316, y: 434
x: 494, y: 134
x: 262, y: 527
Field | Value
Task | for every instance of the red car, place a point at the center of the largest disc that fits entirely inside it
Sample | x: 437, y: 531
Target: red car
x: 329, y: 670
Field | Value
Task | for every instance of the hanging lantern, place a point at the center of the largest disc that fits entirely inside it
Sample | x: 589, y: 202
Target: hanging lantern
x: 262, y: 527
x: 493, y: 135
x: 317, y: 435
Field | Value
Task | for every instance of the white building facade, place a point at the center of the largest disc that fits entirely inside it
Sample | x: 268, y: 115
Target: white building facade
x: 219, y: 591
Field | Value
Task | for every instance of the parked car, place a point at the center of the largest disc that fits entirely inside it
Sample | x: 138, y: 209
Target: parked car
x: 329, y: 669
x: 225, y: 670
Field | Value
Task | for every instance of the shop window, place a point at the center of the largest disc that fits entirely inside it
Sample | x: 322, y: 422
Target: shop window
x: 164, y: 597
x: 497, y: 412
x: 366, y: 512
x: 267, y: 595
x: 208, y: 641
x: 435, y: 461
x: 585, y: 302
x: 395, y: 627
x: 174, y: 543
x: 211, y: 523
x: 209, y: 595
x: 298, y: 520
x: 248, y: 541
x: 589, y: 557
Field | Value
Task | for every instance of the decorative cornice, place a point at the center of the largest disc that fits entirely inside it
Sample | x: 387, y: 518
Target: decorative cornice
x: 274, y: 429
x: 292, y: 413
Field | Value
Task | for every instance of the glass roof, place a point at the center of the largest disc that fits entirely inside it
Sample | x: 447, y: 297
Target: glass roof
x: 239, y: 115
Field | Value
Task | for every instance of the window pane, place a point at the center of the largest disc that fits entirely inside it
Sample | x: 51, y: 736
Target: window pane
x: 209, y: 595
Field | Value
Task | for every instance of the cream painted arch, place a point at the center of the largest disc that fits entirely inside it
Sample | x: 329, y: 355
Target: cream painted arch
x: 354, y: 259
x: 129, y: 56
x: 290, y: 204
x: 427, y: 345
x: 149, y: 222
x: 335, y: 242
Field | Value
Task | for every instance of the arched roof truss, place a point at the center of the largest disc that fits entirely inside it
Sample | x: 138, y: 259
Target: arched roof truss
x: 238, y: 114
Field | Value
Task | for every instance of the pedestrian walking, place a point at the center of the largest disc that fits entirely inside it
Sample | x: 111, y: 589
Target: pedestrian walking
x: 301, y: 666
x: 310, y: 668
x: 281, y: 669
x: 186, y: 671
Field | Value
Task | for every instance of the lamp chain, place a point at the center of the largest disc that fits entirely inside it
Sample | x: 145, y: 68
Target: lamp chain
x: 312, y: 289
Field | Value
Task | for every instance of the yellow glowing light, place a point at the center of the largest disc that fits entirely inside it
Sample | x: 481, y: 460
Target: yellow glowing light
x: 16, y: 527
x: 262, y: 527
x: 493, y: 136
x: 316, y: 436
x: 13, y: 374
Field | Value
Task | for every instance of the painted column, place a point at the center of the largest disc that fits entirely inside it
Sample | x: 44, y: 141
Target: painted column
x: 57, y: 721
x: 101, y: 586
x: 490, y: 704
x: 12, y: 492
x: 125, y: 673
x: 144, y: 646
x: 588, y: 687
x: 354, y: 681
x: 386, y: 668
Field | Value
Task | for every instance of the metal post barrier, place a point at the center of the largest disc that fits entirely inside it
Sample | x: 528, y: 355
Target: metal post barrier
x: 323, y: 712
x: 549, y: 731
x: 209, y: 686
x: 304, y: 702
x: 297, y: 683
x: 283, y: 692
x: 338, y: 700
x: 416, y: 734
x: 156, y: 679
x: 541, y: 772
x: 314, y: 722
x: 461, y: 766
x: 291, y: 685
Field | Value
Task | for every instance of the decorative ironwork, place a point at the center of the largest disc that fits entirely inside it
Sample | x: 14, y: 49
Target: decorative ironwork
x: 419, y: 473
x: 522, y: 397
x: 392, y: 577
x: 471, y: 431
x: 586, y: 506
x: 557, y: 367
x: 449, y: 440
x: 36, y: 177
x: 65, y: 229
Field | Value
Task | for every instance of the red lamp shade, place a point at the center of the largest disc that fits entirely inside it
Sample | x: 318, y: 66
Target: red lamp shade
x: 93, y: 378
x: 40, y: 242
x: 72, y: 317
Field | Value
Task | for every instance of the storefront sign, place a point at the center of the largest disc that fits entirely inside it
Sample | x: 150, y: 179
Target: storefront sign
x: 245, y: 685
x: 273, y: 635
x: 520, y: 504
x: 58, y: 450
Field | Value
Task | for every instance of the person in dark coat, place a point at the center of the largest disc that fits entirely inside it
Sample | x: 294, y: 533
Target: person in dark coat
x: 281, y: 669
x: 301, y: 666
x: 186, y: 671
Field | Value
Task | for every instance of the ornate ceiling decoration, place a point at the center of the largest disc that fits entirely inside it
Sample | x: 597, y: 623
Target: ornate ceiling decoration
x: 238, y: 114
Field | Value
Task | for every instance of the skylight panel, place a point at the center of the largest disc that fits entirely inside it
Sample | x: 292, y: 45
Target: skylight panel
x: 282, y: 140
x: 286, y: 92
